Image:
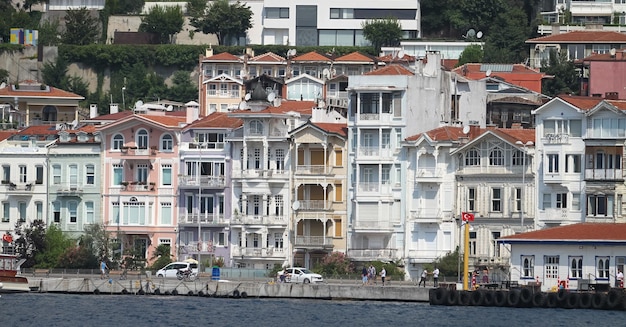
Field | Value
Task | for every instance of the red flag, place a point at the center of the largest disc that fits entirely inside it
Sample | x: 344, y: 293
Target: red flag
x: 466, y: 216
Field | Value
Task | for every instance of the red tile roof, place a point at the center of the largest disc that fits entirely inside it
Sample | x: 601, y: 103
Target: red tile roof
x: 580, y: 102
x: 339, y: 129
x: 216, y: 120
x: 355, y: 57
x: 391, y: 70
x: 473, y: 71
x: 169, y: 121
x: 582, y: 37
x: 115, y: 116
x: 224, y: 56
x: 6, y: 134
x: 39, y: 130
x: 311, y: 56
x: 453, y: 133
x: 53, y: 92
x: 576, y: 232
x: 267, y: 57
x: 620, y: 56
x: 445, y: 133
x: 390, y: 58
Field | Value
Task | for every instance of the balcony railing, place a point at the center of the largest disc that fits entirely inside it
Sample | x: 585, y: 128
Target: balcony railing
x: 428, y: 172
x: 556, y: 138
x: 555, y: 214
x: 373, y: 224
x: 138, y: 186
x: 369, y: 187
x: 259, y: 220
x: 372, y: 254
x: 204, y: 218
x: 203, y: 181
x: 258, y: 252
x: 134, y: 151
x: 69, y: 189
x: 18, y: 187
x: 603, y: 174
x: 223, y: 94
x: 313, y: 241
x: 313, y: 205
x: 194, y: 247
x: 310, y: 169
x: 426, y: 215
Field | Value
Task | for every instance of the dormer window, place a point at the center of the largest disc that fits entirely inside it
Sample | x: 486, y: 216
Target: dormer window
x: 142, y: 139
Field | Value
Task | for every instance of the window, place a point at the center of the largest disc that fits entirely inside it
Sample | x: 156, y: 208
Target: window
x: 73, y: 172
x: 386, y: 139
x: 341, y: 13
x: 517, y: 193
x: 256, y: 128
x: 553, y: 163
x: 72, y: 207
x: 472, y: 243
x: 23, y: 174
x: 118, y: 174
x: 572, y: 163
x: 496, y: 158
x: 221, y: 239
x: 385, y: 175
x: 142, y: 173
x: 600, y: 205
x: 278, y: 240
x: 553, y: 128
x: 6, y: 211
x: 56, y: 174
x: 142, y: 139
x: 56, y: 212
x: 167, y: 143
x: 166, y: 173
x: 602, y: 265
x: 471, y: 199
x: 398, y: 178
x: 575, y: 201
x: 518, y: 158
x: 551, y: 266
x: 275, y: 13
x: 257, y: 158
x: 255, y: 240
x: 528, y: 266
x: 166, y: 213
x: 118, y: 142
x: 280, y: 159
x: 496, y: 246
x: 89, y: 213
x: 338, y: 158
x: 576, y: 267
x: 338, y: 192
x: 39, y: 174
x: 547, y: 201
x: 90, y: 174
x: 472, y: 158
x: 496, y: 200
x: 22, y: 211
x: 6, y: 173
x: 256, y: 205
x: 280, y: 206
x: 561, y: 200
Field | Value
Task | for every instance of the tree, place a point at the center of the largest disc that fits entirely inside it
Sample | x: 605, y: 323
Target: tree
x: 4, y: 76
x: 53, y: 73
x: 162, y: 256
x: 225, y: 20
x: 565, y: 77
x: 183, y: 89
x: 163, y: 21
x: 196, y: 8
x: 29, y: 241
x: 335, y: 264
x: 507, y: 43
x: 80, y: 27
x: 448, y: 265
x: 124, y: 7
x: 472, y: 54
x: 382, y: 32
x: 56, y: 244
x: 49, y: 32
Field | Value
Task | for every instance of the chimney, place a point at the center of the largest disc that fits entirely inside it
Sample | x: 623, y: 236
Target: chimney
x: 474, y: 131
x: 611, y: 95
x: 114, y: 108
x: 208, y: 52
x: 93, y: 110
x: 556, y: 29
x: 192, y: 113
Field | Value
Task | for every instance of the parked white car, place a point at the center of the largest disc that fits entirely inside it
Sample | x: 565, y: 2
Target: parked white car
x: 171, y: 269
x: 300, y: 275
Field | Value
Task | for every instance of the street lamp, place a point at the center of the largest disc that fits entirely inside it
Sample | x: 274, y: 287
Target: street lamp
x: 123, y: 100
x: 522, y: 197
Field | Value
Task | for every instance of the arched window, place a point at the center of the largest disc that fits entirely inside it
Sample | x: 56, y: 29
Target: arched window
x: 142, y: 139
x: 471, y: 158
x: 496, y: 158
x: 518, y: 158
x: 118, y: 142
x: 256, y: 128
x: 167, y: 143
x: 49, y: 113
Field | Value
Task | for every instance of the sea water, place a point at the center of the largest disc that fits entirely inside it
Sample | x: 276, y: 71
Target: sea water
x: 47, y: 309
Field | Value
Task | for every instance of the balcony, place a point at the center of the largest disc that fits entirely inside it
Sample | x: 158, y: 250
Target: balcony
x: 310, y: 170
x: 259, y: 220
x: 270, y: 252
x: 426, y: 215
x: 313, y: 241
x: 428, y: 174
x: 554, y: 215
x: 232, y: 94
x: 274, y: 174
x: 202, y: 181
x: 136, y: 152
x: 604, y: 175
x: 69, y: 190
x: 372, y: 254
x: 375, y: 118
x: 137, y: 186
x: 198, y: 247
x: 18, y: 188
x: 552, y: 138
x: 204, y: 218
x: 373, y: 225
x: 424, y: 256
x: 375, y: 152
x: 313, y: 205
x: 375, y: 188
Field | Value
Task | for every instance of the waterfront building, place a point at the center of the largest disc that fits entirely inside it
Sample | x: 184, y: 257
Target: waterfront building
x: 205, y: 189
x: 140, y: 183
x: 575, y: 257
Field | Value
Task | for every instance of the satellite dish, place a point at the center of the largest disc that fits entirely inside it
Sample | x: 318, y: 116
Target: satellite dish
x: 479, y: 34
x: 322, y: 104
x: 612, y: 51
x: 466, y: 129
x: 271, y: 97
x: 401, y: 54
x: 247, y: 97
x: 291, y: 52
x: 488, y: 73
x: 169, y: 108
x: 295, y: 205
x: 74, y: 123
x: 243, y: 105
x: 138, y: 104
x: 3, y: 85
x: 326, y: 73
x: 471, y: 33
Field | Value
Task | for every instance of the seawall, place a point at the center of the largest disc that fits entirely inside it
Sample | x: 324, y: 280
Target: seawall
x: 162, y: 286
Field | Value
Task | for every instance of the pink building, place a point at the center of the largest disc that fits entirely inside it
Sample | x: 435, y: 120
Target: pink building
x: 605, y: 75
x: 140, y: 165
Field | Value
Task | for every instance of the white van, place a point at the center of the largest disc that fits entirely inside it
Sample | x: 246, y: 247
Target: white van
x: 171, y: 269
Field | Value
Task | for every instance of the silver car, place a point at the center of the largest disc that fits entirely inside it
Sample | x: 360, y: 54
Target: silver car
x: 300, y: 275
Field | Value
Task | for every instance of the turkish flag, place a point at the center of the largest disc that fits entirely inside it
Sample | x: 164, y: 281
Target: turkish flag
x: 466, y: 216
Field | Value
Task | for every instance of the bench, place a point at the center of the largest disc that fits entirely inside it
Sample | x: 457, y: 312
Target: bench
x: 45, y: 272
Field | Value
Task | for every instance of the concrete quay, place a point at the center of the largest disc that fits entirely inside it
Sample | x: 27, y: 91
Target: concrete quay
x: 223, y: 288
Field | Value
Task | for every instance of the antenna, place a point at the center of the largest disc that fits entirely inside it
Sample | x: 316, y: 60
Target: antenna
x: 271, y: 97
x: 466, y: 129
x: 243, y: 105
x: 488, y: 73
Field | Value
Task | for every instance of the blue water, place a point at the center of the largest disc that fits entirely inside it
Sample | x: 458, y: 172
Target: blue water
x: 35, y: 309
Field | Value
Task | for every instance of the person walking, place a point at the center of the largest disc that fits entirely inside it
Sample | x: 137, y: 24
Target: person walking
x: 371, y: 274
x: 103, y: 269
x: 383, y: 274
x: 436, y: 277
x: 423, y: 278
x: 364, y: 275
x: 619, y: 279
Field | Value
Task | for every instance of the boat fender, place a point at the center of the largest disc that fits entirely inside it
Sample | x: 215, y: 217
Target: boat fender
x: 175, y: 292
x: 157, y: 291
x: 464, y: 298
x: 452, y: 298
x: 598, y: 301
x: 584, y: 301
x: 551, y: 300
x: 440, y: 294
x: 200, y: 293
x: 477, y: 298
x: 539, y: 300
x: 141, y: 292
x: 244, y: 295
x: 190, y: 293
x: 571, y: 301
x: 512, y: 300
x: 561, y: 295
x: 96, y: 291
x: 236, y: 294
x: 525, y: 297
x: 488, y: 298
x: 499, y: 298
x: 613, y: 298
x: 124, y: 291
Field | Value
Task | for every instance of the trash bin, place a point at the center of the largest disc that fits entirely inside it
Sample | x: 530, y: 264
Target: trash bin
x: 215, y: 275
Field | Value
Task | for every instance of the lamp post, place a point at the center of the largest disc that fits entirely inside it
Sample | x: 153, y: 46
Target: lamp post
x: 123, y: 100
x: 522, y: 197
